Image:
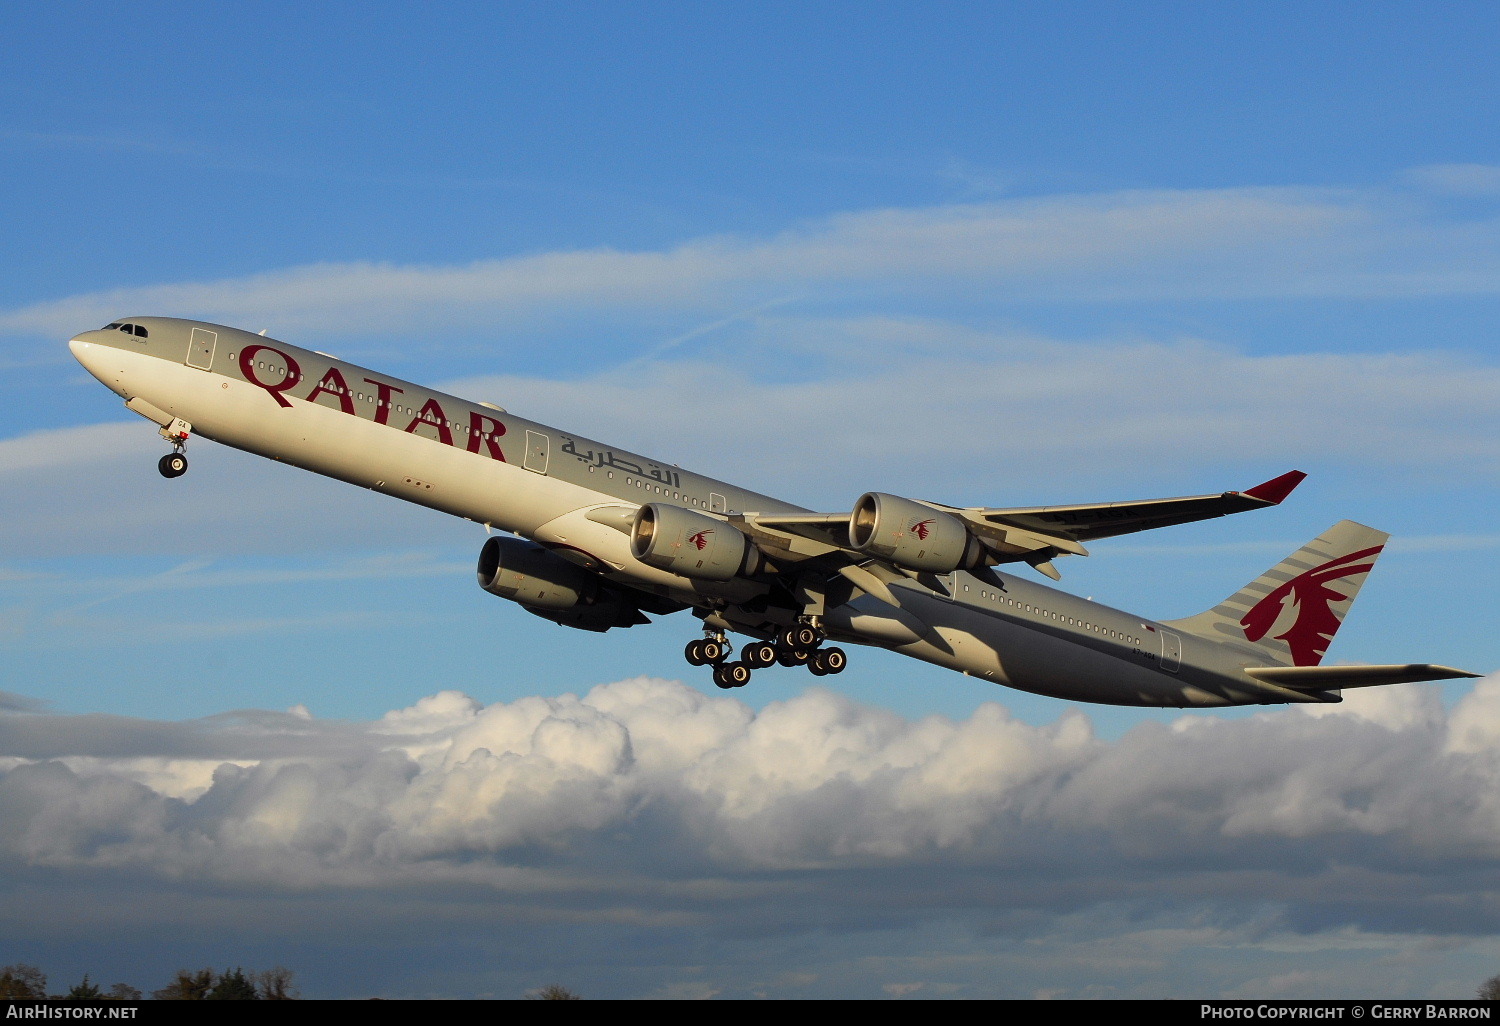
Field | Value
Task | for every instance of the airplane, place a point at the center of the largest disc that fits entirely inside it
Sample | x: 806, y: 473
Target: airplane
x: 596, y: 537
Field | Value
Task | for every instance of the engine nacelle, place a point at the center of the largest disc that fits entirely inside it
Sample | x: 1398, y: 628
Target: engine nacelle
x: 691, y: 544
x: 912, y: 535
x: 551, y: 587
x: 525, y: 572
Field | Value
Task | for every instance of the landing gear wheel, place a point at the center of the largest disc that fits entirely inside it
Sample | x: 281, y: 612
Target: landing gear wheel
x: 758, y: 654
x: 827, y: 660
x: 792, y: 657
x: 731, y: 675
x: 173, y: 464
x: 693, y: 653
x: 801, y: 637
x: 712, y: 650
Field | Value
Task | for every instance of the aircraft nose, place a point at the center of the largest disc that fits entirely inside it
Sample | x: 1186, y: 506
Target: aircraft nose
x: 95, y: 360
x: 82, y: 351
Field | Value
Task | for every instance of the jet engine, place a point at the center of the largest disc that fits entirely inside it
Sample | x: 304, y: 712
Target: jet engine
x: 912, y: 535
x: 691, y: 544
x: 551, y: 587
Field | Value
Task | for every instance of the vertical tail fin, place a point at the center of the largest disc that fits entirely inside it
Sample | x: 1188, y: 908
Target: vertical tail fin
x: 1289, y: 614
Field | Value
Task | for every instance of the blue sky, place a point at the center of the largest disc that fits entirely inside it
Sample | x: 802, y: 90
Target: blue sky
x: 1006, y: 254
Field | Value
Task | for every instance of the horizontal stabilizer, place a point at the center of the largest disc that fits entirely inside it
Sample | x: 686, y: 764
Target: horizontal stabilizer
x: 1329, y: 678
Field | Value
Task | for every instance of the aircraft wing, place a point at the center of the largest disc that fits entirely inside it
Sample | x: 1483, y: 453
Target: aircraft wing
x: 1036, y: 534
x: 1108, y: 519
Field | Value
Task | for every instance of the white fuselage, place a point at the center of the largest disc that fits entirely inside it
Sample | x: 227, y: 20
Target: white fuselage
x: 477, y: 461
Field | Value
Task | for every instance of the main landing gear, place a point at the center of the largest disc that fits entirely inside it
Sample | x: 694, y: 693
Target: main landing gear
x: 174, y: 463
x: 799, y: 645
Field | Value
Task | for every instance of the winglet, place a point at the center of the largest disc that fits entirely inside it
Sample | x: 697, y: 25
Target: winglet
x: 1276, y: 489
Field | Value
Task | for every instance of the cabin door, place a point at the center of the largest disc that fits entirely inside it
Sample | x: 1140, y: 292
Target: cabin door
x: 536, y: 452
x: 201, y: 348
x: 1171, y: 651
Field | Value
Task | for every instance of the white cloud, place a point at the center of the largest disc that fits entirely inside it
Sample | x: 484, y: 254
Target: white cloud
x: 1475, y: 723
x: 1459, y: 179
x: 817, y: 780
x: 1140, y: 244
x: 651, y: 807
x: 959, y: 415
x: 95, y: 489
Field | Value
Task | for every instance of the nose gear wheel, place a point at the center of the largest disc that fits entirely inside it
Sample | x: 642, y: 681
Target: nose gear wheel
x: 174, y: 464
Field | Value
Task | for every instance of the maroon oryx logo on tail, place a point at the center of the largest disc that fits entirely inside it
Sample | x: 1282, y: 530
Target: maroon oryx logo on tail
x: 700, y: 540
x: 1309, y: 591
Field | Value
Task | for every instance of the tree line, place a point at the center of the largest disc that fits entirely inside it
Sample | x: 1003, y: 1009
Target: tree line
x: 27, y: 982
x: 23, y: 982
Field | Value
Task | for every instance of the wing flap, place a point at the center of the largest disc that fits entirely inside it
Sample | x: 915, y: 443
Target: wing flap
x: 827, y: 528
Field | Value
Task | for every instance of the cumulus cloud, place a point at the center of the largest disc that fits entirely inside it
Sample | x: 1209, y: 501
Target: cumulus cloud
x: 1138, y: 244
x: 816, y: 781
x: 658, y: 808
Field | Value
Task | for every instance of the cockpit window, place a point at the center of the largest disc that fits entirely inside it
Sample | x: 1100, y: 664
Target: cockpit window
x: 140, y: 332
x: 112, y: 325
x: 127, y: 328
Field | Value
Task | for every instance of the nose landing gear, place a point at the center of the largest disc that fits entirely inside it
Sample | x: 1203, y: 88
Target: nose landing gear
x: 174, y: 463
